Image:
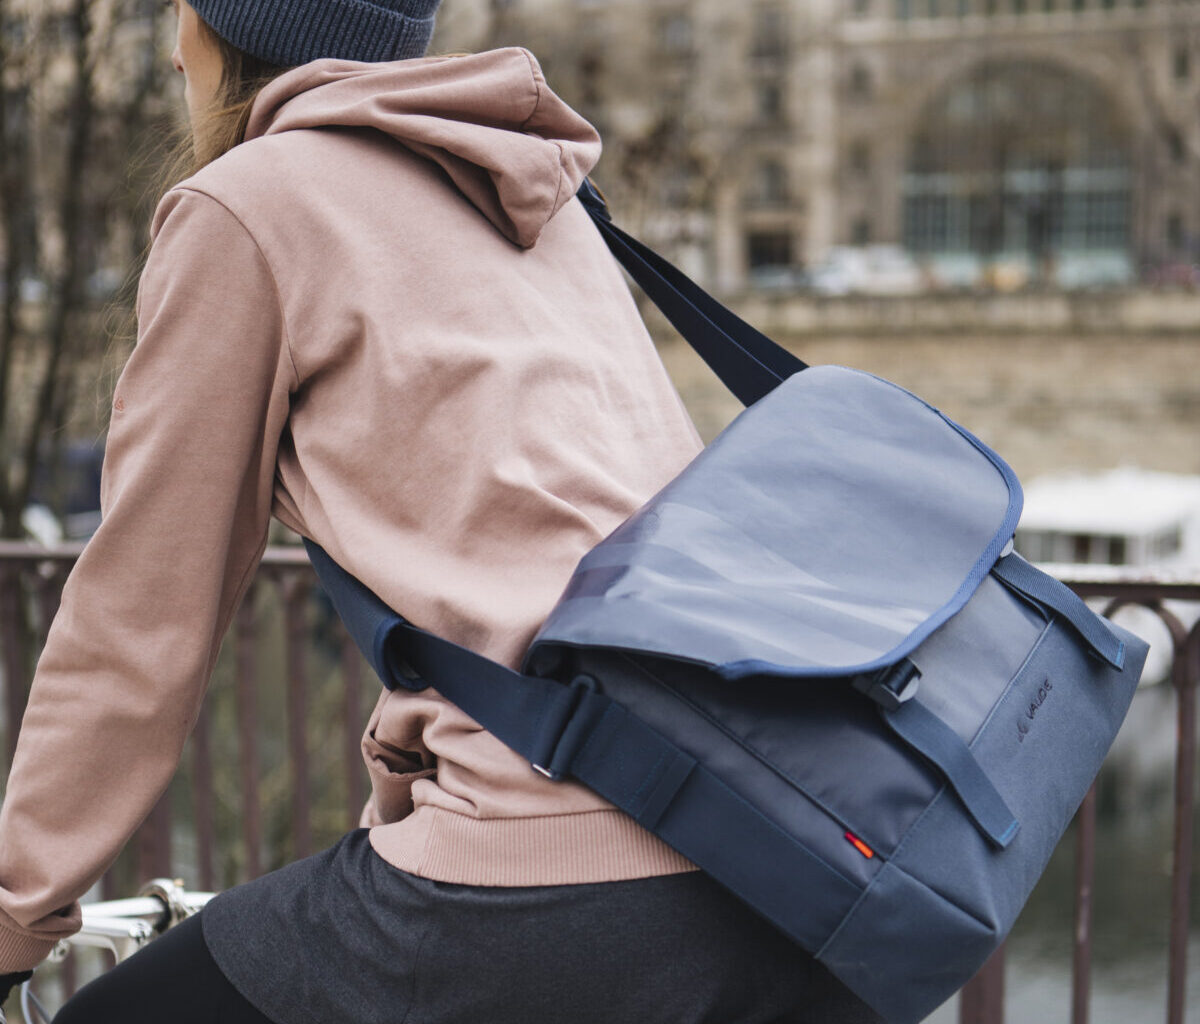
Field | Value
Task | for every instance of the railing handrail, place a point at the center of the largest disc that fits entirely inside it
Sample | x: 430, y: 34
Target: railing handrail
x: 1125, y: 581
x: 69, y: 551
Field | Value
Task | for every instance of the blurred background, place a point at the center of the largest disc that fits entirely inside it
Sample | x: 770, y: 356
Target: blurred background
x: 995, y: 203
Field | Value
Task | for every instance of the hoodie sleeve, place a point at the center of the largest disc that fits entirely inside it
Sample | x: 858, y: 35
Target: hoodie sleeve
x: 186, y: 497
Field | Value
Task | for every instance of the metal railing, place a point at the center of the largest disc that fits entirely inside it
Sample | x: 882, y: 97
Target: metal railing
x: 287, y: 647
x: 272, y: 636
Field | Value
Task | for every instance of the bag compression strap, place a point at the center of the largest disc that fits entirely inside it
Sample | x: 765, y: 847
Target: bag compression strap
x: 748, y: 362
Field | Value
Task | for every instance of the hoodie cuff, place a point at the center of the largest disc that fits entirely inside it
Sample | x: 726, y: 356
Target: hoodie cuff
x: 20, y: 952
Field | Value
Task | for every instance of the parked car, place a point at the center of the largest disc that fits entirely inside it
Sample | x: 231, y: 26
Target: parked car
x: 955, y: 271
x: 867, y: 270
x: 778, y: 278
x: 1097, y: 269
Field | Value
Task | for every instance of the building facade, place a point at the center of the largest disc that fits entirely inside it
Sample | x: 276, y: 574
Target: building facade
x: 1001, y: 141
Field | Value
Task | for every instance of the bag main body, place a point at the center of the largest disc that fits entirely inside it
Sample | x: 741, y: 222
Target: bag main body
x: 839, y: 531
x: 813, y: 666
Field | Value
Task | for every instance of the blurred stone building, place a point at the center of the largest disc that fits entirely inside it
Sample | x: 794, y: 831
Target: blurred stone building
x: 1046, y: 140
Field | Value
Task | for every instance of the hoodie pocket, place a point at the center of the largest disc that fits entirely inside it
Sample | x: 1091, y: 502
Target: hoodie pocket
x: 393, y: 773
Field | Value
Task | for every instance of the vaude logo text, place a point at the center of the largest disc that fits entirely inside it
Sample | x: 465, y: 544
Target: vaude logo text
x: 1025, y: 721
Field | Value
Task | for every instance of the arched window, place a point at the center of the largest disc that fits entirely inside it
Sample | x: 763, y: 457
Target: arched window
x: 1018, y: 158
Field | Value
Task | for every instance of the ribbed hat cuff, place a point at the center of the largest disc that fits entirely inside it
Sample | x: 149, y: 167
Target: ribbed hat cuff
x: 293, y: 32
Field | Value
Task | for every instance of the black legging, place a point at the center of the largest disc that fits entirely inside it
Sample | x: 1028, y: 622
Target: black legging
x: 173, y: 979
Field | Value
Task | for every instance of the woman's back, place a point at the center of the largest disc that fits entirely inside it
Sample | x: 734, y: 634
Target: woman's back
x: 471, y: 403
x: 476, y: 402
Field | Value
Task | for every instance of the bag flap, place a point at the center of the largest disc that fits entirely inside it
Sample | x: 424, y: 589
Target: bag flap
x: 829, y: 529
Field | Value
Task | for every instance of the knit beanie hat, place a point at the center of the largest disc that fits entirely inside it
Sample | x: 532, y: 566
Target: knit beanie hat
x: 293, y: 32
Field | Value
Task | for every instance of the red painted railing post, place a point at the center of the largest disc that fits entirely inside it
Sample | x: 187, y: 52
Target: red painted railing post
x: 295, y: 602
x: 1185, y: 674
x: 982, y: 999
x: 1085, y: 874
x: 203, y: 802
x: 246, y: 682
x: 154, y: 841
x: 353, y: 688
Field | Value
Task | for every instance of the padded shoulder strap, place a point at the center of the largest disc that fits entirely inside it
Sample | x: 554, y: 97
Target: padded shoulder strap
x: 748, y: 362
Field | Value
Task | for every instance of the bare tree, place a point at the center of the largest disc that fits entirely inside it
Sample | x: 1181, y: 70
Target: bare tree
x: 78, y: 84
x: 14, y: 199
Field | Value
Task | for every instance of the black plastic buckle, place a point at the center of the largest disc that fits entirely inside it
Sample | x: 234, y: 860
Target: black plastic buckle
x: 891, y: 686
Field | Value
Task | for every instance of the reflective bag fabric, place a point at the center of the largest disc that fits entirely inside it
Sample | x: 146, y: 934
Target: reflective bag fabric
x: 813, y: 665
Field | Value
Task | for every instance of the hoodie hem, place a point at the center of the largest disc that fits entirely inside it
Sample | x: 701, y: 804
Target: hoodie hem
x: 565, y: 849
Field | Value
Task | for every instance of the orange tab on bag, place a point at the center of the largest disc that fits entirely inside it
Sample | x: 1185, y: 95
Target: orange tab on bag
x: 860, y: 846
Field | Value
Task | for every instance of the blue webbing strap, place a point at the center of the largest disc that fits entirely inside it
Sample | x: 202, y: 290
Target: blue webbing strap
x: 577, y: 731
x: 367, y: 619
x: 748, y: 362
x: 926, y: 733
x: 1058, y: 597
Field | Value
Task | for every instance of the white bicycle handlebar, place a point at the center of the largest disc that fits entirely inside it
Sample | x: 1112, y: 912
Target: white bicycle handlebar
x: 122, y: 927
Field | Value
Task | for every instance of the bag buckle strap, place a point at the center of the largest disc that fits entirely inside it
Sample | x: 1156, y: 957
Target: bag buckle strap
x: 566, y: 728
x: 891, y: 686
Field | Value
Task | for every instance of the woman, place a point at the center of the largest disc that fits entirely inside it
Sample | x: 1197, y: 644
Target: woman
x: 375, y: 312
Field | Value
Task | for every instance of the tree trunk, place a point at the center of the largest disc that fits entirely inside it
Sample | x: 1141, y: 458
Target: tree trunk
x: 67, y: 298
x: 14, y: 198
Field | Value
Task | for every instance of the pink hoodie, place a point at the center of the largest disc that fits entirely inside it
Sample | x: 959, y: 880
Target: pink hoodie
x: 384, y: 320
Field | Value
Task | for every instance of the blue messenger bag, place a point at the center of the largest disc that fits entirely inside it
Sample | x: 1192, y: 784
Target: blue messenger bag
x: 813, y: 665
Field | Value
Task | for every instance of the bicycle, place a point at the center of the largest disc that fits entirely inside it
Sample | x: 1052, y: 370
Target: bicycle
x: 122, y: 927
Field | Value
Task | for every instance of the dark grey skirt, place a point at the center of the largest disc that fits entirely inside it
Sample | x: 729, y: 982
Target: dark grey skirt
x: 345, y: 938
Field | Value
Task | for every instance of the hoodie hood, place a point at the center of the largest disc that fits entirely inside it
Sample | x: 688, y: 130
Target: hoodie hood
x: 513, y: 148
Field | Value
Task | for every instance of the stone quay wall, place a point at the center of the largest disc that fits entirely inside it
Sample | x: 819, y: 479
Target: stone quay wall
x: 1054, y: 383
